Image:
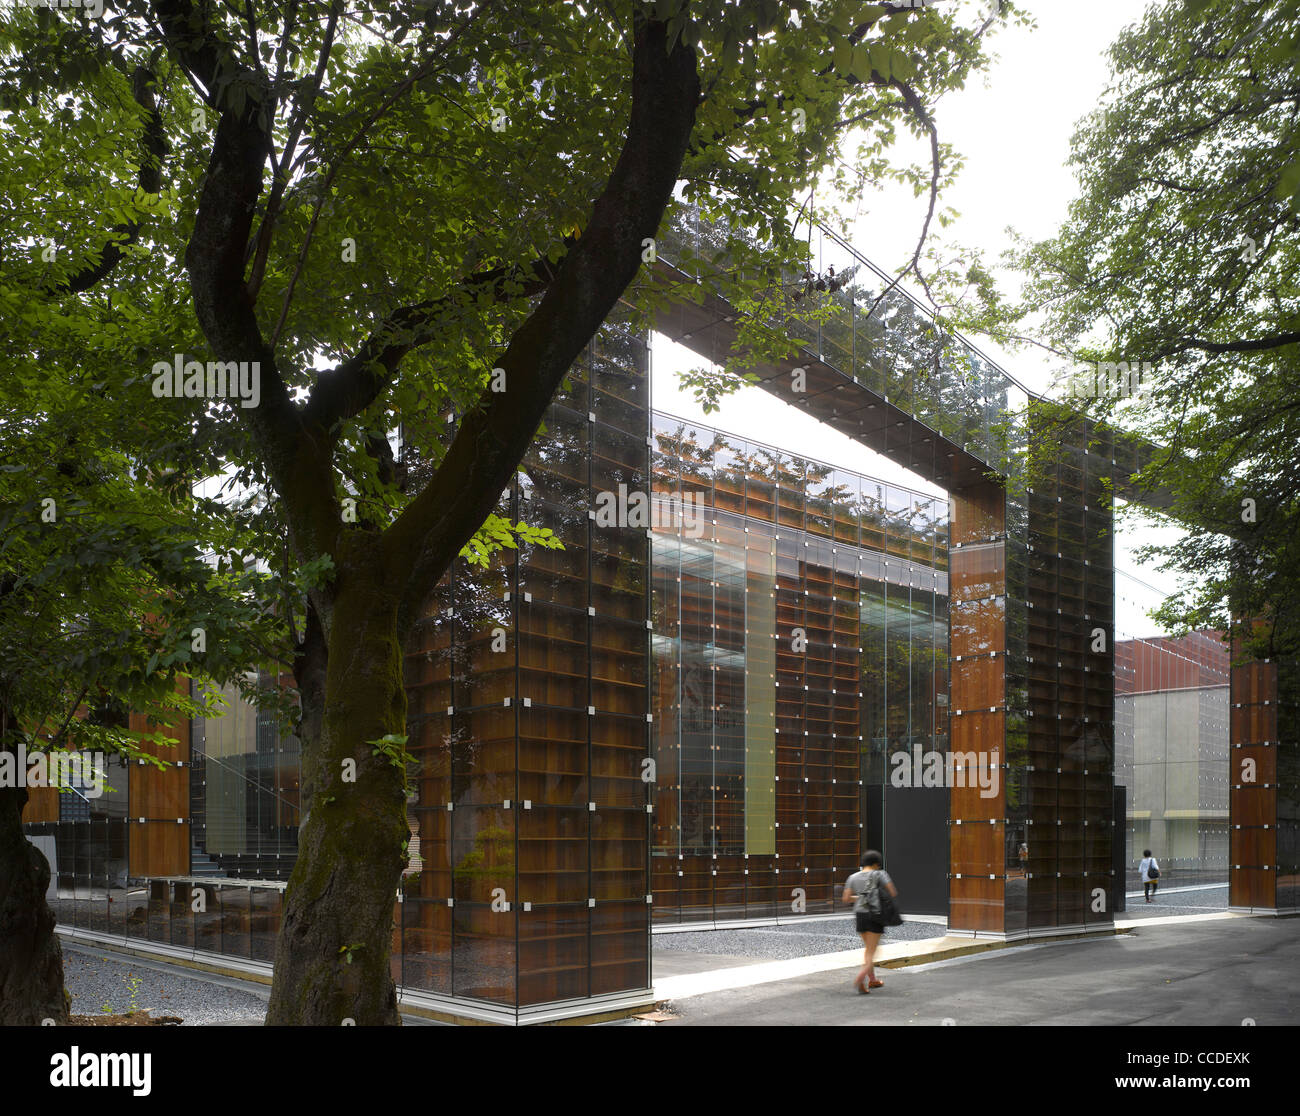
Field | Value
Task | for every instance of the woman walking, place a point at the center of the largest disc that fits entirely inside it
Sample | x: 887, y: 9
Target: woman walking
x: 1149, y: 870
x: 863, y: 890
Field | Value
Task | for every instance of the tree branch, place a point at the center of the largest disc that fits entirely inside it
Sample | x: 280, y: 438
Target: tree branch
x: 281, y: 179
x: 344, y: 392
x: 153, y: 149
x: 917, y: 107
x: 1255, y: 345
x: 426, y: 537
x: 430, y: 67
x: 754, y: 106
x: 298, y: 460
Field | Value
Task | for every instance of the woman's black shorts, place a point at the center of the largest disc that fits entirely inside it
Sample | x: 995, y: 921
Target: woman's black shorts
x: 868, y: 923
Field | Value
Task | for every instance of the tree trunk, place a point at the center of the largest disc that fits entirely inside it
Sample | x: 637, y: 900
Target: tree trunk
x: 309, y: 672
x: 333, y: 952
x: 31, y: 960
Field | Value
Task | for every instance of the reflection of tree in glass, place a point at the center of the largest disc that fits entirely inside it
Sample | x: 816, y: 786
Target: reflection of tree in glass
x: 725, y: 464
x: 887, y: 341
x: 491, y: 859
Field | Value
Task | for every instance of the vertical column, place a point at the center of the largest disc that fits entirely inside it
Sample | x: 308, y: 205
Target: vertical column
x: 977, y: 714
x: 1252, y: 803
x: 846, y: 731
x: 1068, y: 667
x: 1264, y: 784
x: 1092, y: 641
x: 760, y: 701
x: 532, y: 724
x: 621, y: 702
x: 666, y: 697
x: 765, y: 897
x: 426, y: 907
x: 873, y: 773
x: 1288, y: 795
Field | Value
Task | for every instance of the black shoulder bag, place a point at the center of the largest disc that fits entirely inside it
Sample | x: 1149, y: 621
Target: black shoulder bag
x: 889, y: 915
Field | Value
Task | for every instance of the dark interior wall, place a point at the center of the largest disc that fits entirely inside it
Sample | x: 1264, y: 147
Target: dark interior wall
x: 915, y: 828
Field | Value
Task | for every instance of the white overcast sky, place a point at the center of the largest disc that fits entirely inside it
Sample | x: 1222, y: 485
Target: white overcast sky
x: 1013, y: 126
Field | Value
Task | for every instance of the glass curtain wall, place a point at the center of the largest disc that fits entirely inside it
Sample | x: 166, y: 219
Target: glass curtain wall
x: 529, y: 713
x: 934, y: 381
x: 87, y: 849
x: 1060, y: 676
x: 800, y: 630
x: 244, y: 784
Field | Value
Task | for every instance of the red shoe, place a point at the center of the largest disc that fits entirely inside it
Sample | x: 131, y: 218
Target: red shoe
x: 876, y: 984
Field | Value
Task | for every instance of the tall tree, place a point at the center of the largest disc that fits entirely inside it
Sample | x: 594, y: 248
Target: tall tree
x: 1181, y: 252
x: 392, y: 212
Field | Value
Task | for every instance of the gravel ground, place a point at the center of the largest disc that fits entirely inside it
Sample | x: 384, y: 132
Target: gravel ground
x: 779, y: 943
x: 1177, y: 903
x: 96, y: 978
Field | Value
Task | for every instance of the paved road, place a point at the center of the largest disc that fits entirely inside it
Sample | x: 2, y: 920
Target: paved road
x: 1190, y: 974
x: 700, y: 950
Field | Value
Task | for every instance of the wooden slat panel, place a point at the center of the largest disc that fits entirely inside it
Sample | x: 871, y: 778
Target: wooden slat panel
x: 977, y: 850
x: 1252, y: 859
x: 976, y: 904
x: 1253, y: 846
x: 159, y: 848
x: 978, y: 685
x: 42, y: 805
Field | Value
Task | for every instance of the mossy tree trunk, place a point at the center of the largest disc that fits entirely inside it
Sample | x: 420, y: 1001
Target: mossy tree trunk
x: 31, y: 960
x: 333, y: 954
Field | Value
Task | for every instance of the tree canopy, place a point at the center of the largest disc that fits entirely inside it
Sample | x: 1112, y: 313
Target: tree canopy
x: 1181, y: 252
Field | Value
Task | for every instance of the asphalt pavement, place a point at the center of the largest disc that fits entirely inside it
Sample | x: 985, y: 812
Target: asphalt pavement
x: 1201, y: 973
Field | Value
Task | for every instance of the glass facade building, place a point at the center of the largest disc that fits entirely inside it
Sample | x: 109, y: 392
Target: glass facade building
x: 1031, y: 569
x: 244, y: 783
x: 742, y: 667
x: 530, y: 714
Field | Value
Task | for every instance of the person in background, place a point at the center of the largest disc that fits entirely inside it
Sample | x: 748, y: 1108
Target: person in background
x: 862, y: 889
x: 1149, y: 870
x: 1024, y: 859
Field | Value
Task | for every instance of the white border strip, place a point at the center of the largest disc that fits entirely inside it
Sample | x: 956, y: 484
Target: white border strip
x: 757, y: 923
